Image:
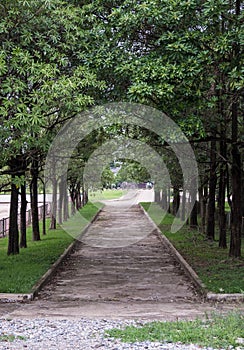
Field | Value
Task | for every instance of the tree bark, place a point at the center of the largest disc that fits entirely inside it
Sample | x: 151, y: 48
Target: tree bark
x: 34, y: 201
x: 242, y: 193
x: 53, y: 224
x: 236, y: 169
x: 84, y: 196
x: 236, y: 203
x: 164, y: 200
x: 44, y: 231
x: 60, y: 201
x: 203, y: 198
x: 212, y: 190
x: 78, y: 196
x: 193, y: 217
x: 221, y: 198
x: 72, y: 197
x: 66, y: 205
x: 193, y: 199
x: 176, y: 200
x: 157, y: 197
x: 183, y: 212
x: 169, y: 200
x: 13, y: 240
x: 23, y: 241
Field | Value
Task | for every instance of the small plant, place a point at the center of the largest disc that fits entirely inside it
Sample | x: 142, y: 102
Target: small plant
x: 215, y: 331
x: 10, y: 337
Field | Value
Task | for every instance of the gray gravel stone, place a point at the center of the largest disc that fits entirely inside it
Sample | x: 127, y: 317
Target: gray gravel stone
x: 84, y: 334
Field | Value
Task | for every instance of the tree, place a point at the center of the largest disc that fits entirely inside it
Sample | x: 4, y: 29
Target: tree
x: 185, y: 58
x: 108, y: 178
x: 23, y: 240
x: 132, y: 172
x: 42, y: 86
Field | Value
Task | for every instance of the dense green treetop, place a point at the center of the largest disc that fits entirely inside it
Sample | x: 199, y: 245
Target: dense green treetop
x: 42, y: 82
x: 174, y: 55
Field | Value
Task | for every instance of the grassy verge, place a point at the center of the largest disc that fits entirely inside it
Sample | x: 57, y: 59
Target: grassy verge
x: 106, y: 194
x: 219, y: 332
x: 218, y: 272
x: 18, y: 273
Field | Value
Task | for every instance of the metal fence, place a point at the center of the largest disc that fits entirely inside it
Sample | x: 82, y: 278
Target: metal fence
x: 4, y: 223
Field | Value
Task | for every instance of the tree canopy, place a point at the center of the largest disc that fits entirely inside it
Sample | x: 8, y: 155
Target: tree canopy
x: 185, y: 58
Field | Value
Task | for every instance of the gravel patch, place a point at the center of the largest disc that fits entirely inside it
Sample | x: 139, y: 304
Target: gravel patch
x: 85, y: 334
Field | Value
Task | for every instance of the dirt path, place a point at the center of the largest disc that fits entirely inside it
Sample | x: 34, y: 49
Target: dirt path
x: 120, y: 270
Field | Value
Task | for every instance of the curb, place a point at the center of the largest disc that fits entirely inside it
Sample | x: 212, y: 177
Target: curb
x: 200, y: 286
x: 235, y: 297
x: 14, y: 298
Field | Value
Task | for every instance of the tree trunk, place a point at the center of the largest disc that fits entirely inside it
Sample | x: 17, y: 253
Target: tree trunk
x: 60, y: 201
x: 53, y: 223
x: 242, y: 193
x: 34, y: 201
x: 236, y: 205
x: 236, y: 169
x: 194, y: 212
x: 13, y: 239
x: 157, y: 197
x: 176, y: 200
x: 221, y: 197
x: 203, y: 198
x: 72, y: 197
x: 193, y: 216
x: 23, y: 241
x: 78, y: 196
x: 169, y: 200
x: 164, y: 200
x: 212, y: 190
x: 44, y: 231
x: 183, y: 212
x: 84, y: 196
x: 222, y: 217
x: 66, y: 205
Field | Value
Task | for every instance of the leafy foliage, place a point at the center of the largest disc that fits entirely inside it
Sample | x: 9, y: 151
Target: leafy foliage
x: 42, y: 83
x: 132, y: 172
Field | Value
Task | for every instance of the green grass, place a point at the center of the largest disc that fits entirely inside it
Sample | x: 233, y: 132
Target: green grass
x: 219, y: 332
x: 106, y: 194
x: 19, y: 273
x: 218, y: 272
x: 227, y: 207
x: 10, y: 337
x: 81, y: 218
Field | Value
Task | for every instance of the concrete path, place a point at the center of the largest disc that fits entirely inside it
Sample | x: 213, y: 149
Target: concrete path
x: 106, y: 278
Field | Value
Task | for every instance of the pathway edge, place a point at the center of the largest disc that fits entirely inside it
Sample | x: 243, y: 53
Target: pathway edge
x: 25, y: 297
x: 208, y: 295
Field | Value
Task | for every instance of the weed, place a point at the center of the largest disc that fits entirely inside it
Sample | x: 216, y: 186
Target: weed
x: 216, y: 331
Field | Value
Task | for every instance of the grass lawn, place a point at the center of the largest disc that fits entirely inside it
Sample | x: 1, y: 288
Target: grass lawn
x: 106, y: 194
x: 218, y: 332
x: 19, y: 273
x: 218, y: 272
